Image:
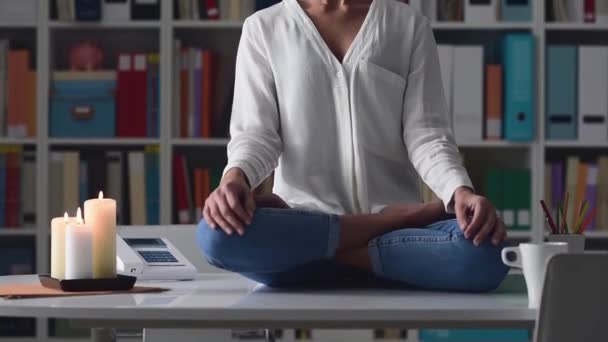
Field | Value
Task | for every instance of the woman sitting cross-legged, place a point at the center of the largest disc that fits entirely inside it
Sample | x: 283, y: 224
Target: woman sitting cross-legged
x: 343, y: 100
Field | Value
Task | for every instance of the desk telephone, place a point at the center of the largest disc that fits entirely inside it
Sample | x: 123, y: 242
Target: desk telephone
x: 152, y: 259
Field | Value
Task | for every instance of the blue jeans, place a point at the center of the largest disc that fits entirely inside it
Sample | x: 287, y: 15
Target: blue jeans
x: 295, y: 248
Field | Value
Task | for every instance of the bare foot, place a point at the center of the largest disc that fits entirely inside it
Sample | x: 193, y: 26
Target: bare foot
x: 270, y: 201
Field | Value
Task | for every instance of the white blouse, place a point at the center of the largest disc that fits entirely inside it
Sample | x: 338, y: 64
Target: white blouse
x: 344, y: 137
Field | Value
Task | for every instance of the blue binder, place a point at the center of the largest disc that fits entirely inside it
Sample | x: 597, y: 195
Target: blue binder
x: 152, y: 164
x: 519, y: 90
x: 516, y: 10
x: 88, y: 10
x: 470, y: 335
x: 562, y: 87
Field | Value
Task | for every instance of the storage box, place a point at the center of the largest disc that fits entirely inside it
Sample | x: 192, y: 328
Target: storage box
x: 83, y: 108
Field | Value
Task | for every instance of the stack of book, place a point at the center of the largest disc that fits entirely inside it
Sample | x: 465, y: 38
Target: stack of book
x: 122, y: 103
x: 131, y: 178
x: 578, y: 11
x: 583, y: 181
x: 475, y: 11
x: 17, y: 187
x: 233, y: 10
x: 508, y: 89
x: 191, y: 186
x: 577, y: 93
x: 106, y: 10
x: 197, y: 91
x: 17, y: 93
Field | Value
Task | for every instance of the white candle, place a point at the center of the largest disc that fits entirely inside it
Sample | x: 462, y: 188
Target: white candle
x: 58, y: 225
x: 78, y: 250
x: 100, y: 215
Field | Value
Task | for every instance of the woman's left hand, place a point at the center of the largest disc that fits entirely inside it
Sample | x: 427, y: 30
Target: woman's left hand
x: 477, y: 217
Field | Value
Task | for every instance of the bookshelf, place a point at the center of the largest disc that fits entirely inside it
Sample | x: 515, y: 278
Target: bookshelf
x: 48, y: 37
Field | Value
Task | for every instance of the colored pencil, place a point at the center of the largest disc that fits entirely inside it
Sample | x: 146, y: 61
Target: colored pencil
x: 581, y: 217
x: 558, y: 212
x: 549, y: 218
x: 588, y: 221
x: 565, y: 213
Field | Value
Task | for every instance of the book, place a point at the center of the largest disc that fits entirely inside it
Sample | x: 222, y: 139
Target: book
x: 4, y: 45
x: 558, y: 182
x: 137, y: 119
x: 71, y: 181
x: 213, y: 10
x: 494, y: 189
x: 548, y: 184
x: 137, y: 187
x: 179, y: 188
x: 468, y: 76
x: 591, y: 190
x: 3, y: 187
x: 519, y: 86
x: 31, y: 100
x: 116, y: 10
x: 88, y: 10
x: 601, y: 12
x: 152, y: 178
x: 56, y: 189
x: 590, y: 11
x: 184, y: 99
x: 480, y: 11
x: 12, y: 204
x: 516, y: 10
x: 208, y: 93
x: 581, y: 188
x: 493, y: 124
x: 592, y: 99
x: 18, y: 10
x: 145, y: 9
x: 28, y: 188
x: 17, y: 69
x: 575, y: 10
x: 124, y: 86
x: 601, y: 221
x: 450, y: 10
x: 114, y: 181
x: 83, y: 191
x: 153, y: 96
x: 176, y: 90
x: 572, y: 169
x: 562, y: 90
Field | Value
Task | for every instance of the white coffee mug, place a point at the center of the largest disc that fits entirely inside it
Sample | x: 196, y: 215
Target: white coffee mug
x: 533, y: 259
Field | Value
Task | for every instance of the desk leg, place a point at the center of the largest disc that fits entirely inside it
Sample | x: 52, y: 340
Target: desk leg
x: 103, y: 335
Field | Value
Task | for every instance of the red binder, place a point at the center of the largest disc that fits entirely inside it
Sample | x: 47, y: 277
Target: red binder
x: 123, y: 94
x: 181, y: 194
x: 139, y: 100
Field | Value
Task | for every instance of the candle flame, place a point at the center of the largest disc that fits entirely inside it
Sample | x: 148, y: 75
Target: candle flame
x: 79, y: 216
x: 101, y: 195
x: 65, y: 217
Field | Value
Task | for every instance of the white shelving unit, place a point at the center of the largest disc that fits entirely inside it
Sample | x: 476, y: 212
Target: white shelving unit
x: 166, y: 29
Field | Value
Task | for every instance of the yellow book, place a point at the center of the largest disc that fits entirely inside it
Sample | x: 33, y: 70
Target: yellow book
x: 571, y: 182
x: 601, y: 217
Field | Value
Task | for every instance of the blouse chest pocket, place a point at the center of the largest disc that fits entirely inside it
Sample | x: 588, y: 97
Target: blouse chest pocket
x: 378, y: 95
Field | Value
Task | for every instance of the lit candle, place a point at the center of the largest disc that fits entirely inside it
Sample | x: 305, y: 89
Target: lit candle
x: 78, y: 250
x: 100, y: 215
x: 58, y: 245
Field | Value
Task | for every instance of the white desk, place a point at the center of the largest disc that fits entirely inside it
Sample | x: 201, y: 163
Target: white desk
x: 229, y: 301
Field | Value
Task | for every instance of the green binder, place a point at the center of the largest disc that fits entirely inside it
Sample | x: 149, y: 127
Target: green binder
x: 494, y: 190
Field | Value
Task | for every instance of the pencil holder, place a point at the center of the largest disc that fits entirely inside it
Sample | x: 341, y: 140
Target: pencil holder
x: 576, y: 242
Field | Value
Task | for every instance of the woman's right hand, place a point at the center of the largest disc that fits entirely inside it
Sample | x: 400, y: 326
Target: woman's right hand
x: 230, y: 207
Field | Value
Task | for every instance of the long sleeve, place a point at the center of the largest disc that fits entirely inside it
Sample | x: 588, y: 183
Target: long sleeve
x: 255, y: 144
x: 427, y: 127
